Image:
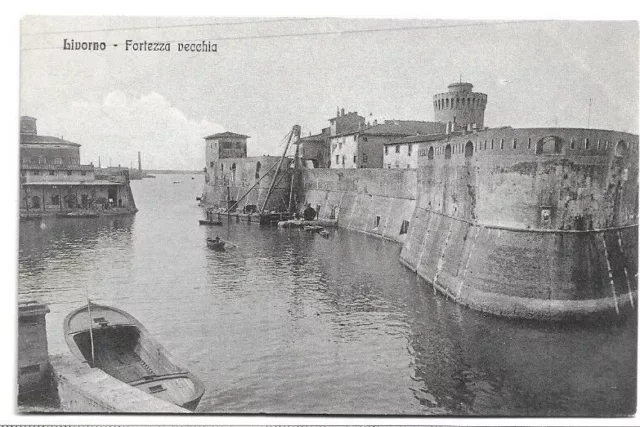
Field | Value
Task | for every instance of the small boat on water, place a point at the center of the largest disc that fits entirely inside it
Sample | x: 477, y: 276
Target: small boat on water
x: 217, y: 245
x: 209, y: 222
x: 124, y: 349
x: 313, y: 228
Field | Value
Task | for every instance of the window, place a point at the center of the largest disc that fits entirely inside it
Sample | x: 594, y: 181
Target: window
x: 598, y: 144
x: 377, y: 222
x: 573, y: 143
x: 430, y: 154
x: 386, y: 150
x: 404, y: 227
x: 364, y: 158
x: 492, y: 144
x: 388, y: 165
x: 397, y: 148
x: 36, y: 172
x: 409, y: 149
x: 514, y: 144
x: 364, y: 138
x: 211, y: 164
x: 337, y: 159
x: 69, y: 173
x: 606, y: 144
x: 529, y: 144
x: 23, y: 173
x: 52, y: 172
x: 55, y: 199
x: 258, y: 166
x: 58, y: 161
x: 343, y: 157
x: 83, y: 173
x: 354, y: 159
x: 586, y: 143
x: 502, y: 144
x: 447, y: 152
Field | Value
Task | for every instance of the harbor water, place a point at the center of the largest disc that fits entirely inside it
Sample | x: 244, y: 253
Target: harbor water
x: 289, y: 322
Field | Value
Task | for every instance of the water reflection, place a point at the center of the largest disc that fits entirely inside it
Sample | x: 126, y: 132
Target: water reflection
x: 285, y: 321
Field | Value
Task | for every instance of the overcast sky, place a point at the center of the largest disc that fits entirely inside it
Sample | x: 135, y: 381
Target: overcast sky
x: 116, y: 103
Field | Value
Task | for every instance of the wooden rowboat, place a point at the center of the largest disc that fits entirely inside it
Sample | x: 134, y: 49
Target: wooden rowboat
x: 209, y: 222
x: 216, y: 245
x: 124, y: 349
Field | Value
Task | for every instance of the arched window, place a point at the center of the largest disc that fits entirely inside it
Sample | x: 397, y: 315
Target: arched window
x: 462, y: 102
x: 502, y: 144
x: 447, y: 103
x: 447, y: 151
x: 468, y: 149
x: 573, y: 143
x: 549, y: 145
x: 233, y: 171
x: 586, y: 143
x: 430, y: 153
x: 621, y: 148
x: 258, y: 166
x: 469, y: 102
x: 222, y: 167
x: 492, y: 144
x: 457, y: 103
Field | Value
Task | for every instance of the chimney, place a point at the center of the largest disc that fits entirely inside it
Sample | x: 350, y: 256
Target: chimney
x: 337, y: 111
x: 342, y: 112
x: 139, y: 162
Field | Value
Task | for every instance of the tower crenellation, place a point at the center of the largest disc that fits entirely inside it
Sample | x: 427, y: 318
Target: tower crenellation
x: 460, y: 107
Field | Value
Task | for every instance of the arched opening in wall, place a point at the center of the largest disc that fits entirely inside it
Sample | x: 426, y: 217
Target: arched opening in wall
x: 447, y: 151
x: 468, y: 149
x: 35, y: 202
x: 258, y: 166
x: 430, y: 153
x: 549, y: 145
x: 447, y: 103
x: 233, y: 171
x: 621, y: 148
x: 221, y: 167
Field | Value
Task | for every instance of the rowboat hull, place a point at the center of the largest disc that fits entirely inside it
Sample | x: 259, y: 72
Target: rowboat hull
x: 124, y: 349
x: 218, y: 246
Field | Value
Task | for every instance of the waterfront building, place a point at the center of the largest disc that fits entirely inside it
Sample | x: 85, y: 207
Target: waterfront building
x: 53, y: 180
x: 403, y: 153
x: 313, y: 150
x: 364, y: 147
x: 230, y: 175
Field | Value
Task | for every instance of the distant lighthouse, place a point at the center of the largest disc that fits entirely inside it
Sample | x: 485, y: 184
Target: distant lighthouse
x: 139, y: 162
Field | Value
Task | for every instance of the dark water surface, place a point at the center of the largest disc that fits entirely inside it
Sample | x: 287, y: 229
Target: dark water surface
x: 289, y: 322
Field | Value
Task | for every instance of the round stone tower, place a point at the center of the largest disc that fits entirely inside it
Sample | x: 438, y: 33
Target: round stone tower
x: 460, y: 107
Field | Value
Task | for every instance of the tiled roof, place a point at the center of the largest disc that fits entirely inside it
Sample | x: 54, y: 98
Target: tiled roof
x: 226, y: 135
x: 312, y: 138
x: 419, y: 138
x: 27, y: 138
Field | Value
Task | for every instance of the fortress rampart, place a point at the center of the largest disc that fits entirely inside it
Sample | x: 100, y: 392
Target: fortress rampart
x: 534, y: 223
x: 544, y: 227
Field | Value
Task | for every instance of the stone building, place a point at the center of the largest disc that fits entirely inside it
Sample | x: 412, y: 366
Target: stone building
x: 460, y: 108
x: 53, y: 180
x: 364, y: 148
x: 403, y: 153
